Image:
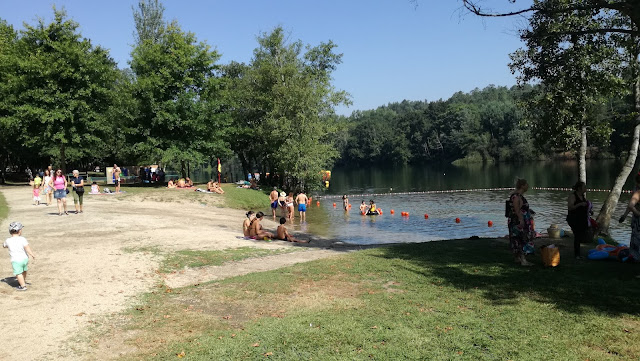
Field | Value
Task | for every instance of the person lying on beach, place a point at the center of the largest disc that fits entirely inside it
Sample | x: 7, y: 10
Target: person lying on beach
x: 284, y: 235
x: 255, y: 228
x: 247, y: 223
x: 171, y: 184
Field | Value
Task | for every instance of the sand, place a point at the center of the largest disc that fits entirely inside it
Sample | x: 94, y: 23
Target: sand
x: 89, y: 265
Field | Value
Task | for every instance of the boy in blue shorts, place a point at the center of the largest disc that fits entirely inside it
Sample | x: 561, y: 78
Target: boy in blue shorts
x: 19, y: 251
x: 302, y: 200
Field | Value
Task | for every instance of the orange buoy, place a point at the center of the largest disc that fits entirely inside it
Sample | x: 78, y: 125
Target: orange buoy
x: 406, y: 214
x: 392, y: 211
x: 457, y: 220
x: 362, y: 213
x: 334, y: 205
x: 349, y: 205
x: 426, y: 216
x: 379, y: 211
x: 490, y: 223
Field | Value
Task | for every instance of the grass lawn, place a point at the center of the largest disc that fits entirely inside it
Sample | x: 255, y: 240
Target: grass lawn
x: 4, y: 207
x: 236, y: 198
x: 175, y: 261
x: 451, y: 300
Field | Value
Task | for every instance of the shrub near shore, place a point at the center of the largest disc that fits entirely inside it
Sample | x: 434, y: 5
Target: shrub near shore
x: 439, y: 300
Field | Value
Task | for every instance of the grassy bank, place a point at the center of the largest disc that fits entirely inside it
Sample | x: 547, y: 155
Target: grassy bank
x: 4, y: 207
x: 236, y: 198
x: 462, y: 300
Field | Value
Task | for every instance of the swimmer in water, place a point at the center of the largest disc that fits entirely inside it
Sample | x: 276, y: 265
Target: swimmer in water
x: 345, y: 202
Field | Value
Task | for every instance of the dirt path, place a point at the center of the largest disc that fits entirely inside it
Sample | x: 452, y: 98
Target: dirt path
x: 83, y: 269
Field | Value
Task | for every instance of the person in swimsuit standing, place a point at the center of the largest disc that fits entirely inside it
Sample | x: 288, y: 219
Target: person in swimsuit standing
x: 302, y: 201
x: 290, y: 210
x: 273, y: 199
x: 116, y: 177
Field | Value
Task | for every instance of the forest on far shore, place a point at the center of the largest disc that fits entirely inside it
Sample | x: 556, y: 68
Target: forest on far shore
x: 484, y: 125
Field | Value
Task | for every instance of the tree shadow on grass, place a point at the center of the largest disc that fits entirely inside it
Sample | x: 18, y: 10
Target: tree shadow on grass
x: 574, y: 286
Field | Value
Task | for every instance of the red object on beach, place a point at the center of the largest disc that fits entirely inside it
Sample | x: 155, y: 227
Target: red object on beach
x: 490, y: 223
x: 426, y: 216
x: 457, y: 220
x: 392, y: 211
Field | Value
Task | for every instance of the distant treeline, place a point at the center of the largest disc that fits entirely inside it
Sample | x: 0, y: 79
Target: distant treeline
x: 487, y: 125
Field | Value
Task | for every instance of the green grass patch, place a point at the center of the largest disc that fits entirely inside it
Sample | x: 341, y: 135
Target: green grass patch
x: 242, y: 198
x: 198, y: 258
x: 450, y: 300
x: 4, y: 207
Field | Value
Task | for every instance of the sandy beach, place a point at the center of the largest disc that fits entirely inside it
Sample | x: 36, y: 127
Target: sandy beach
x: 91, y: 265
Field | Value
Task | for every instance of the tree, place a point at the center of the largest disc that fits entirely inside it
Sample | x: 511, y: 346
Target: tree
x: 61, y: 89
x: 149, y: 21
x: 619, y: 23
x: 180, y: 118
x: 8, y: 67
x: 578, y: 74
x: 284, y: 109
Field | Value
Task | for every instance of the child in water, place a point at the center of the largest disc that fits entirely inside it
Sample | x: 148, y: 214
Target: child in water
x: 345, y: 202
x: 363, y: 207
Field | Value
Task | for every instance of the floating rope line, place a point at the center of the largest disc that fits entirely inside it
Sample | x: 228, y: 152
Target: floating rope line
x: 461, y: 191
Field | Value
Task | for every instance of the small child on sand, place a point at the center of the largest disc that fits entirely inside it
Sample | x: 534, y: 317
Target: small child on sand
x: 19, y: 251
x: 284, y: 235
x: 36, y: 194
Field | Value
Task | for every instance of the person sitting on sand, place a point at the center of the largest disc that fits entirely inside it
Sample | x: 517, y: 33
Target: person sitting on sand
x: 95, y: 188
x: 247, y: 223
x: 181, y: 183
x: 284, y: 235
x: 255, y: 229
x: 188, y: 182
x: 171, y: 184
x: 214, y: 187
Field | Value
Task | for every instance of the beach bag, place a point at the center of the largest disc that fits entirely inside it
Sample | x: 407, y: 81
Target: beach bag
x: 508, y: 207
x: 550, y: 256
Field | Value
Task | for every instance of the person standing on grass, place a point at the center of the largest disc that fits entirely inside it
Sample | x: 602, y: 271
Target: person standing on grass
x: 19, y: 251
x: 78, y: 190
x: 521, y: 233
x: 578, y: 216
x: 116, y: 177
x: 273, y: 199
x: 302, y: 200
x: 633, y: 207
x: 60, y: 191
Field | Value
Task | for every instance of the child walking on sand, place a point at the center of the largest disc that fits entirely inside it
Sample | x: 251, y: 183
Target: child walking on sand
x: 36, y: 194
x: 19, y: 251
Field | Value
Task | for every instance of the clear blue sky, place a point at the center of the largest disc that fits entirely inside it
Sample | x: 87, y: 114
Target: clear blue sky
x: 392, y: 49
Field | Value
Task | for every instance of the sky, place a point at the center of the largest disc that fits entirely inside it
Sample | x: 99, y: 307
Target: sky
x: 392, y: 49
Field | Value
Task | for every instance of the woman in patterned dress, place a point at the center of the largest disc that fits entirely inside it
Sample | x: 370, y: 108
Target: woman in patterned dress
x: 520, y: 223
x: 634, y: 204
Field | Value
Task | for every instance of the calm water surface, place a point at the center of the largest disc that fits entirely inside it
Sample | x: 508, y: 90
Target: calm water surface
x: 474, y: 208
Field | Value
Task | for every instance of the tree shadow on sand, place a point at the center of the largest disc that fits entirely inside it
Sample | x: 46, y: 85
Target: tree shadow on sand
x: 575, y: 286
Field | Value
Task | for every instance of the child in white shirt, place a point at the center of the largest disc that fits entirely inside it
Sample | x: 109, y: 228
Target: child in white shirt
x: 19, y: 251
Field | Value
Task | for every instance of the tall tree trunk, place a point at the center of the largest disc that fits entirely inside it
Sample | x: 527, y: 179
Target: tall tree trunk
x: 582, y: 157
x: 183, y: 169
x: 604, y: 218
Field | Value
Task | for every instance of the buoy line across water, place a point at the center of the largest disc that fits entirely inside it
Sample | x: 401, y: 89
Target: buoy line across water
x: 466, y: 190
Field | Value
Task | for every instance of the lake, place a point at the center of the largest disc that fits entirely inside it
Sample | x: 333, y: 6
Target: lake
x: 475, y: 208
